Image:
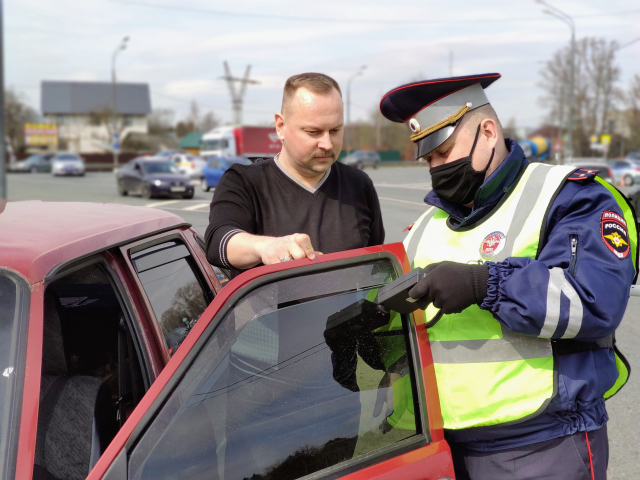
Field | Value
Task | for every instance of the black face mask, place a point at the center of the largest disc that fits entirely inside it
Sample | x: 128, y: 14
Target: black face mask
x: 458, y: 181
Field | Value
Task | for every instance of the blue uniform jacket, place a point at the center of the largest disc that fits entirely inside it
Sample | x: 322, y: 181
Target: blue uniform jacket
x: 517, y: 297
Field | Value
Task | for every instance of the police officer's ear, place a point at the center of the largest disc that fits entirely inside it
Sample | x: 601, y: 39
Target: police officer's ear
x: 490, y: 132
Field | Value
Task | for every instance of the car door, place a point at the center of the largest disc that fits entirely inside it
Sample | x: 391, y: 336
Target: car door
x: 292, y: 372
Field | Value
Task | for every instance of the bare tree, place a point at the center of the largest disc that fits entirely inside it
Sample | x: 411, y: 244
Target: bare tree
x: 17, y: 113
x: 596, y: 76
x: 161, y: 121
x: 632, y: 99
x: 194, y: 122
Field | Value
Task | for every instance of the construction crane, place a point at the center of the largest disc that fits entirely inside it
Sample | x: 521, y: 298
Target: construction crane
x: 237, y: 95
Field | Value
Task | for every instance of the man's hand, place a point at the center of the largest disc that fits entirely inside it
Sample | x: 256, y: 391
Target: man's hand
x: 245, y: 250
x: 451, y: 286
x: 282, y: 249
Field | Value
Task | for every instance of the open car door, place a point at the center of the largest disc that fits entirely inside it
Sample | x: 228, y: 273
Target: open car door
x: 292, y: 372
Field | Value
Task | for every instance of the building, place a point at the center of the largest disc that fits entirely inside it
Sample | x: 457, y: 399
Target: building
x: 83, y: 112
x: 191, y: 142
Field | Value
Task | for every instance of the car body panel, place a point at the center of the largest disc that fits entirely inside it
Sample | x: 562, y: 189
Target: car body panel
x: 52, y: 233
x: 216, y: 166
x: 435, y: 456
x: 624, y: 168
x: 362, y: 158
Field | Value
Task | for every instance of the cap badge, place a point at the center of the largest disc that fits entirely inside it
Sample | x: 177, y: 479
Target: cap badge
x: 414, y: 125
x: 492, y: 244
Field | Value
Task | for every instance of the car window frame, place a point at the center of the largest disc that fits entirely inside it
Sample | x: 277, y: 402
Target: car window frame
x: 208, y: 287
x: 159, y: 393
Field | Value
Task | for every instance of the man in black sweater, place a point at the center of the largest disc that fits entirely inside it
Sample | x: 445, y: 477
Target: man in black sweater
x: 301, y: 203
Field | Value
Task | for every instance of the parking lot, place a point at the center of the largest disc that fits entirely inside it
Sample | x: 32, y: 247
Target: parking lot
x: 401, y: 191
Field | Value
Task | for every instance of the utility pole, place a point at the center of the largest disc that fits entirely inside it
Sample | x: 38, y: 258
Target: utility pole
x: 560, y: 15
x: 359, y: 72
x: 3, y: 149
x: 237, y: 96
x: 451, y: 63
x: 114, y: 103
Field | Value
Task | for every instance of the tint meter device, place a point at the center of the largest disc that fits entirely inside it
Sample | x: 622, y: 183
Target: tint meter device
x: 395, y: 295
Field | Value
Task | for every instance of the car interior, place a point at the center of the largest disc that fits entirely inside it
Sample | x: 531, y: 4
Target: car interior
x: 92, y: 376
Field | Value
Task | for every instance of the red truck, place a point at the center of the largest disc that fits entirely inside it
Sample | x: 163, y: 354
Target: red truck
x: 241, y: 141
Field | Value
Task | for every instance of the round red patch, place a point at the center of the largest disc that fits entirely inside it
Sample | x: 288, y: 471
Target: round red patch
x: 492, y: 244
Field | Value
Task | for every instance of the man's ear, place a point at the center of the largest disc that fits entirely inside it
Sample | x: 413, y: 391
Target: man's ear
x: 280, y: 126
x: 489, y: 130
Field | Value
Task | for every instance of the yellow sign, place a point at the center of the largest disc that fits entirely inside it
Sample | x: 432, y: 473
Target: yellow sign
x: 41, y: 134
x: 605, y: 139
x: 593, y: 139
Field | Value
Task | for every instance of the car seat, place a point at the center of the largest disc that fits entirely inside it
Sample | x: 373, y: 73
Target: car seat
x: 76, y: 419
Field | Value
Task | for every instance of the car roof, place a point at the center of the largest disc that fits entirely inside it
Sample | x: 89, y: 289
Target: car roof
x: 38, y: 236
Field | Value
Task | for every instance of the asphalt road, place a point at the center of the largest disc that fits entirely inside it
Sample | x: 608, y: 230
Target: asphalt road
x: 401, y: 191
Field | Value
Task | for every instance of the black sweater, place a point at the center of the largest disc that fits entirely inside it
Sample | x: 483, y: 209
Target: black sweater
x: 344, y: 213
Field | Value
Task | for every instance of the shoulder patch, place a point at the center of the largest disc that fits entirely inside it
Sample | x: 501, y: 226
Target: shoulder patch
x: 409, y: 227
x: 583, y: 174
x: 615, y: 235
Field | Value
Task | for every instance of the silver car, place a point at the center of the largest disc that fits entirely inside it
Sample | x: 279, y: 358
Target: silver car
x: 67, y: 164
x: 362, y: 158
x: 189, y: 164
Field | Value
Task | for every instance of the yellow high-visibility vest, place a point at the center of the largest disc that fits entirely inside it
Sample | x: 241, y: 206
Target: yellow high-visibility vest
x: 486, y: 374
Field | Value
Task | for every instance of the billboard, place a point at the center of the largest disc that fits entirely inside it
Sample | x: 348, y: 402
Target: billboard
x: 40, y: 134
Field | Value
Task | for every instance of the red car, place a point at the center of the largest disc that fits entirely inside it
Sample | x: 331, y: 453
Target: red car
x: 287, y: 373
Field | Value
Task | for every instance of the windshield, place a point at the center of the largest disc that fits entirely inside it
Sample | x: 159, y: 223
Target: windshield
x: 214, y: 144
x: 160, y: 167
x: 14, y: 311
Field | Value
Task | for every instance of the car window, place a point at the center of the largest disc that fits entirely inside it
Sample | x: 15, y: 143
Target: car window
x: 160, y: 167
x: 302, y: 374
x: 175, y: 290
x: 14, y: 315
x: 67, y: 156
x: 621, y: 164
x: 210, y: 145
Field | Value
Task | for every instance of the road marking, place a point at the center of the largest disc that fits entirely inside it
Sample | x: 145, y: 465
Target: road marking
x: 159, y: 204
x: 403, y: 201
x: 196, y: 207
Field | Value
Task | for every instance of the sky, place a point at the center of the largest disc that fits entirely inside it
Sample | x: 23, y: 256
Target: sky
x: 178, y: 47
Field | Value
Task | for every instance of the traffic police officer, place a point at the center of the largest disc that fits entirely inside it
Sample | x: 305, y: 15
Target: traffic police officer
x: 531, y: 266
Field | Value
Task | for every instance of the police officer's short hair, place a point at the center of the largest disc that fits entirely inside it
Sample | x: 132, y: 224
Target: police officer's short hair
x: 315, y: 82
x: 474, y: 117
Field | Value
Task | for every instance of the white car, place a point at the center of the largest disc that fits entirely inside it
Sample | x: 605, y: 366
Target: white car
x: 67, y: 164
x: 189, y: 164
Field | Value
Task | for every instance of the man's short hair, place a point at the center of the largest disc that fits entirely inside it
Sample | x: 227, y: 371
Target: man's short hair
x: 316, y: 82
x: 474, y: 117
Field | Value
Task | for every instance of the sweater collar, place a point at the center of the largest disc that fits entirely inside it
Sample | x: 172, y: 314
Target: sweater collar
x: 489, y: 193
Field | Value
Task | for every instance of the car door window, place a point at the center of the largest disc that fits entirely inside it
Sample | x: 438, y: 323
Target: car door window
x: 301, y: 375
x: 176, y: 292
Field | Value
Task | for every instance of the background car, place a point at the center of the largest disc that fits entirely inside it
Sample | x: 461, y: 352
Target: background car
x: 589, y: 164
x: 362, y: 158
x: 40, y: 162
x: 189, y: 164
x: 215, y: 167
x: 152, y: 177
x: 625, y: 170
x: 66, y: 163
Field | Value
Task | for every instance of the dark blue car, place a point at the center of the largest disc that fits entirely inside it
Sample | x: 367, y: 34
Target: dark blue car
x: 214, y: 169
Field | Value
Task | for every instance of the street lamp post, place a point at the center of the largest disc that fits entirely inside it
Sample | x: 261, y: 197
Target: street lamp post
x: 359, y: 72
x: 114, y: 100
x: 559, y: 14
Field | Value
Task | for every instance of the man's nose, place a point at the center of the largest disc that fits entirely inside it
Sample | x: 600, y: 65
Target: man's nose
x: 325, y: 142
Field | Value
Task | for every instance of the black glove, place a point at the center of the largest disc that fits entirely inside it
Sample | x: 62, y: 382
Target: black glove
x: 451, y: 286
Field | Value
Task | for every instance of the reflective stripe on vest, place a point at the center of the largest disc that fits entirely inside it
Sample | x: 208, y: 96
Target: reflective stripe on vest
x: 487, y: 374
